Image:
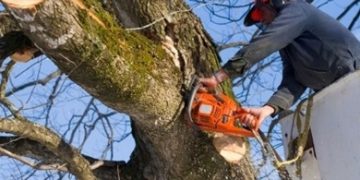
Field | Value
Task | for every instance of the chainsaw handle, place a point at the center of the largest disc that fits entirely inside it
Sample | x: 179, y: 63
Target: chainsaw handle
x: 216, y: 95
x: 240, y: 113
x: 191, y: 100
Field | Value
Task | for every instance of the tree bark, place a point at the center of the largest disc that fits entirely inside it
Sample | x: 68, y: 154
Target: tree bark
x: 75, y: 162
x: 143, y: 73
x: 7, y: 24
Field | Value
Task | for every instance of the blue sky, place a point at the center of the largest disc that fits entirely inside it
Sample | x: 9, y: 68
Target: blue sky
x: 73, y: 100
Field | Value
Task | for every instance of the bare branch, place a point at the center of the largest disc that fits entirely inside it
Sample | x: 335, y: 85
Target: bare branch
x: 37, y: 151
x: 81, y: 120
x: 356, y: 17
x: 33, y: 164
x: 167, y: 16
x: 230, y: 45
x: 76, y: 164
x: 347, y: 9
x: 5, y: 77
x: 43, y: 82
x: 51, y: 99
x: 41, y: 166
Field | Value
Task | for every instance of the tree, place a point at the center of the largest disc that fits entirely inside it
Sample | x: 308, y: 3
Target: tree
x: 136, y: 57
x: 143, y: 73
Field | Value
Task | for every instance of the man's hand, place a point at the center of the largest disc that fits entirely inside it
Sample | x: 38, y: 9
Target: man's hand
x: 213, y: 81
x: 208, y: 83
x: 256, y: 116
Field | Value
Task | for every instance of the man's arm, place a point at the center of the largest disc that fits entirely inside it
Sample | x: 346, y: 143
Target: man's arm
x: 288, y: 25
x: 288, y: 92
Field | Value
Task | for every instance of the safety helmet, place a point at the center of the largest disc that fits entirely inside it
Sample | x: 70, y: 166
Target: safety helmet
x: 255, y: 15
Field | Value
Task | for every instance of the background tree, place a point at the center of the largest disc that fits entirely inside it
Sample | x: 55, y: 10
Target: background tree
x: 135, y: 57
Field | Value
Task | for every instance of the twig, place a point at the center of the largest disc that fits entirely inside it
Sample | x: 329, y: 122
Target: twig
x: 96, y: 164
x: 229, y: 45
x: 5, y: 78
x: 166, y: 16
x: 354, y: 20
x: 41, y: 81
x: 347, y: 9
x: 26, y: 161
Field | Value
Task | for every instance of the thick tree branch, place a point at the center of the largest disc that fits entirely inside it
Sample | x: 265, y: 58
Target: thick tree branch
x: 135, y: 74
x: 29, y: 148
x: 32, y: 163
x: 34, y: 150
x: 7, y: 23
x: 3, y: 100
x: 76, y: 164
x: 80, y: 45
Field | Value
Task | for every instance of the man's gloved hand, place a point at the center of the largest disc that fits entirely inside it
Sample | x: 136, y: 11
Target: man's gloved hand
x: 213, y: 81
x: 256, y: 116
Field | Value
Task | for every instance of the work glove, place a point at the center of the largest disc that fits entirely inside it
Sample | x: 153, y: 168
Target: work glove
x: 212, y: 82
x: 254, y: 117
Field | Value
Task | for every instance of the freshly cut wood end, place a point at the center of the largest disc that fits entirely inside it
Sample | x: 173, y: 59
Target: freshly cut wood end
x: 22, y: 4
x: 23, y: 56
x: 231, y: 148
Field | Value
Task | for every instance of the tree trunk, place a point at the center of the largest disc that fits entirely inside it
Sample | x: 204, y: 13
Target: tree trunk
x: 144, y: 73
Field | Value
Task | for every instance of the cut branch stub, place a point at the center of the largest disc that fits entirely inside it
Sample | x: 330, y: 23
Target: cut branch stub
x: 22, y: 4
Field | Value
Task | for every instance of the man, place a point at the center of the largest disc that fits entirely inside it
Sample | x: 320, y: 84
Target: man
x: 315, y: 49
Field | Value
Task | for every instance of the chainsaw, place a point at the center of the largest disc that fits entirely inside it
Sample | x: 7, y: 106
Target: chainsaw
x: 216, y: 112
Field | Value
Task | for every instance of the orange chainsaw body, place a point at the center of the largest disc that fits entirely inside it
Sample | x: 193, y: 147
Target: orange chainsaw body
x: 217, y: 113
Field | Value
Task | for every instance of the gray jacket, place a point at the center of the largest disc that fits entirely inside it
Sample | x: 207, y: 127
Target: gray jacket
x: 315, y: 49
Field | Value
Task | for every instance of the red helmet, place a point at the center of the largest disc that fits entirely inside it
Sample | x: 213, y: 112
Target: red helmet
x: 255, y: 15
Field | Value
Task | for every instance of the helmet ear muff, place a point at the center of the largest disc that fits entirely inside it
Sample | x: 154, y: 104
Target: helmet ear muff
x: 277, y: 4
x: 256, y: 15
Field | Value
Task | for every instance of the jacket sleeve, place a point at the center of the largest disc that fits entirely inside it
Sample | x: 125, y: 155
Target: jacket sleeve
x: 288, y: 92
x: 289, y: 24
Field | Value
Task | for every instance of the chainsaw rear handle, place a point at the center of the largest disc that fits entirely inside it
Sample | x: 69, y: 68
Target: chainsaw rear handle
x: 241, y: 112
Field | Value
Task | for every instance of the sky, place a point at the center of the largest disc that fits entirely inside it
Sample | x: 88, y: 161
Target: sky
x: 73, y: 100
